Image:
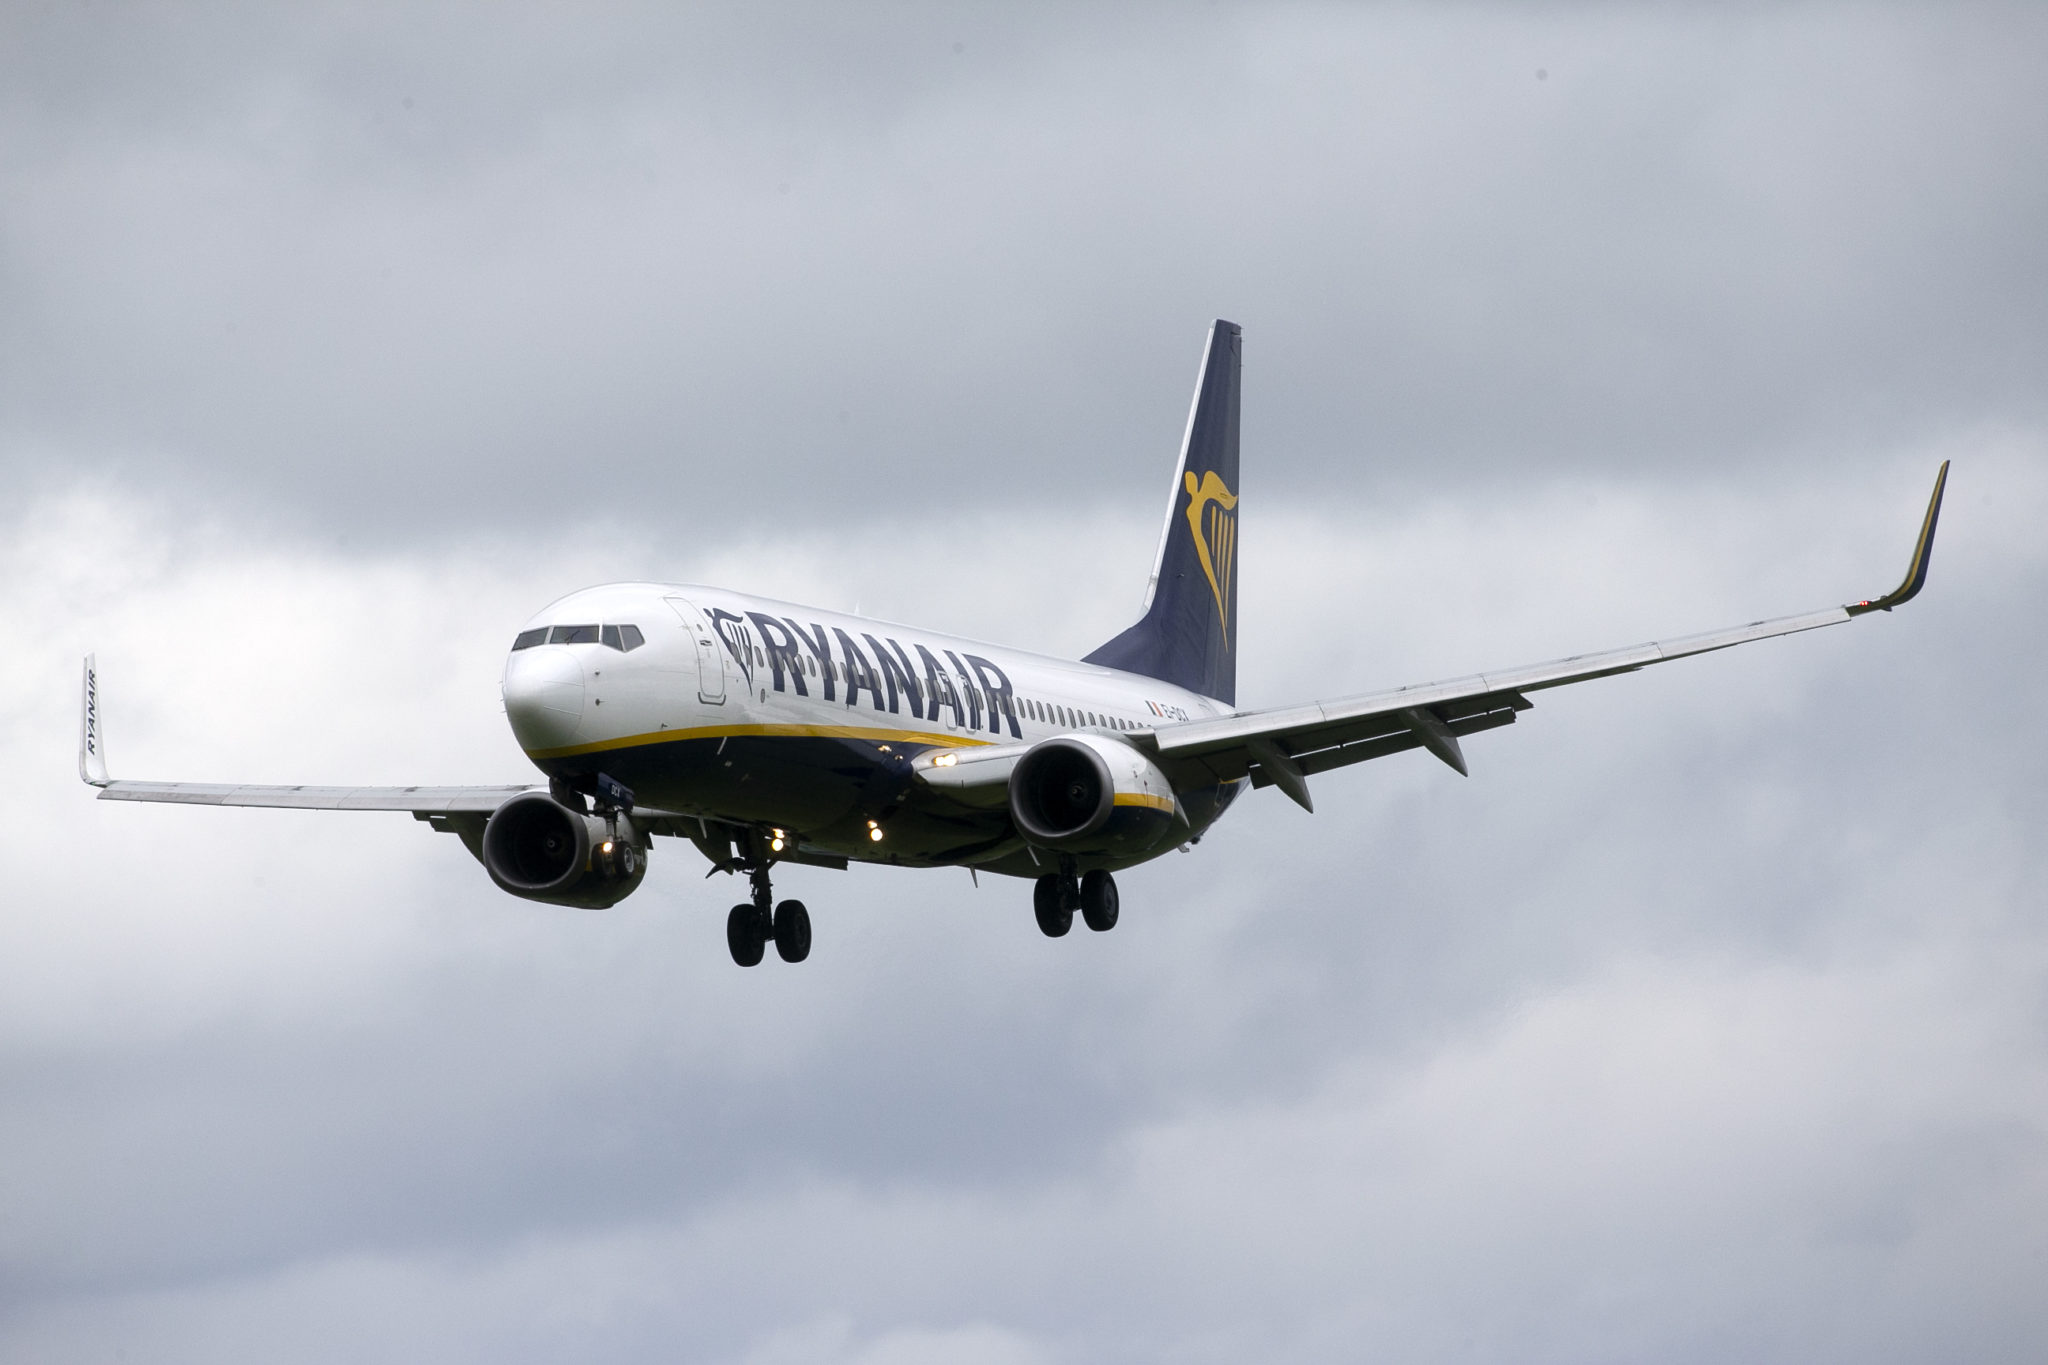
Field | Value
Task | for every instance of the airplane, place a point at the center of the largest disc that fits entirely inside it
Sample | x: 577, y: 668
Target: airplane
x: 767, y: 732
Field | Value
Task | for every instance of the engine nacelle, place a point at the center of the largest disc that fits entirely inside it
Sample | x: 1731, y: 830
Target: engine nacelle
x: 1091, y: 794
x: 536, y: 847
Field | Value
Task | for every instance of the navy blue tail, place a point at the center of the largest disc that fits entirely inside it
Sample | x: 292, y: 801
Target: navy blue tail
x: 1188, y: 635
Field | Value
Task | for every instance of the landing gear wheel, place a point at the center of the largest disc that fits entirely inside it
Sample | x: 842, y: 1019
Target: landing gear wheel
x: 1053, y: 906
x: 745, y: 934
x: 1099, y: 900
x: 792, y: 931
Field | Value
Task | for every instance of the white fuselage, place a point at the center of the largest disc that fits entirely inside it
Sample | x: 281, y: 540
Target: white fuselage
x: 753, y: 710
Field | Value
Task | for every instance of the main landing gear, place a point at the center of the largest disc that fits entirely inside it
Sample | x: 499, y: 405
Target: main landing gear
x: 1056, y: 897
x: 752, y: 924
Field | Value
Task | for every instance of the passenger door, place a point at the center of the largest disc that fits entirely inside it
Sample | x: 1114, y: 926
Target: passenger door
x: 710, y: 658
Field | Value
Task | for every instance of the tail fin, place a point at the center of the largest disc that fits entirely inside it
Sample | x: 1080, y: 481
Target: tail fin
x: 1188, y: 634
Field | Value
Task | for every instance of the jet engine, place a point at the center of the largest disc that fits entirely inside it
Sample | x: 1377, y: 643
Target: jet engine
x: 536, y: 847
x: 1091, y: 794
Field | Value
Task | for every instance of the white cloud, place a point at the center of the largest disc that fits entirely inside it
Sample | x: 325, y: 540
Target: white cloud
x: 1653, y: 1034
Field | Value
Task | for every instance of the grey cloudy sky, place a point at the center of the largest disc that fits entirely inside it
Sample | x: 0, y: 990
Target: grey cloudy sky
x: 1707, y: 1020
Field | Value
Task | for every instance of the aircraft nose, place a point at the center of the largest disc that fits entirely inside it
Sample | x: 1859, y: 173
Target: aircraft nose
x: 544, y: 696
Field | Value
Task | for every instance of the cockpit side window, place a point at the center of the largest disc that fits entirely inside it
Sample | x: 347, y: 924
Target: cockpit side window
x: 529, y: 638
x: 630, y: 638
x: 573, y: 635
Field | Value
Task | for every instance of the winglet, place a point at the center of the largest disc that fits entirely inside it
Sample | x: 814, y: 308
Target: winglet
x: 92, y: 743
x: 1916, y: 572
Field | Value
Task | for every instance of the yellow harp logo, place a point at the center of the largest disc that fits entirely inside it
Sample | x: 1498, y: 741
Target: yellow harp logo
x: 1212, y: 516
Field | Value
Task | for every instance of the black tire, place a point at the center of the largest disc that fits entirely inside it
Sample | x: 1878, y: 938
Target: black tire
x: 792, y: 931
x: 1049, y: 903
x: 744, y: 936
x: 1099, y: 900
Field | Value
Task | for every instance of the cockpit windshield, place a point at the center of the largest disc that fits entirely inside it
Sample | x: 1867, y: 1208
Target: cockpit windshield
x: 623, y: 638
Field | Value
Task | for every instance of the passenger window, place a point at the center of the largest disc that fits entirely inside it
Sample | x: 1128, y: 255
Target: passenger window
x: 527, y: 639
x: 630, y: 638
x: 573, y: 635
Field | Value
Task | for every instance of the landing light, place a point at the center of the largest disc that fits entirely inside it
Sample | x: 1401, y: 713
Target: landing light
x: 606, y: 850
x: 945, y: 760
x: 874, y: 831
x: 776, y: 840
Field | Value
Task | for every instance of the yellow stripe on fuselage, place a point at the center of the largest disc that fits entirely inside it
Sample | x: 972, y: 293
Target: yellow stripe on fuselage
x: 736, y: 731
x: 1164, y: 803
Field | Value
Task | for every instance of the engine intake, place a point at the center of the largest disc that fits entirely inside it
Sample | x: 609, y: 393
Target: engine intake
x: 1060, y: 790
x: 538, y: 848
x: 1091, y: 794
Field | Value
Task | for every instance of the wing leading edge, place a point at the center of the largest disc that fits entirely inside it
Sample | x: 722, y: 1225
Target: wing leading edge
x: 1285, y: 746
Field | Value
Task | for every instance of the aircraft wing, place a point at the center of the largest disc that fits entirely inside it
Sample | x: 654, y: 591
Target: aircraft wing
x: 455, y: 810
x: 462, y: 811
x: 1283, y: 747
x: 418, y: 800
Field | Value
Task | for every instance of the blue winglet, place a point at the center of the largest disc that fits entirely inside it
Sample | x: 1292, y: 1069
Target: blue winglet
x: 1923, y: 550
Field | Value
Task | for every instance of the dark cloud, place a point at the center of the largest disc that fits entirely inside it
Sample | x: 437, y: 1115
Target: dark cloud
x: 401, y: 271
